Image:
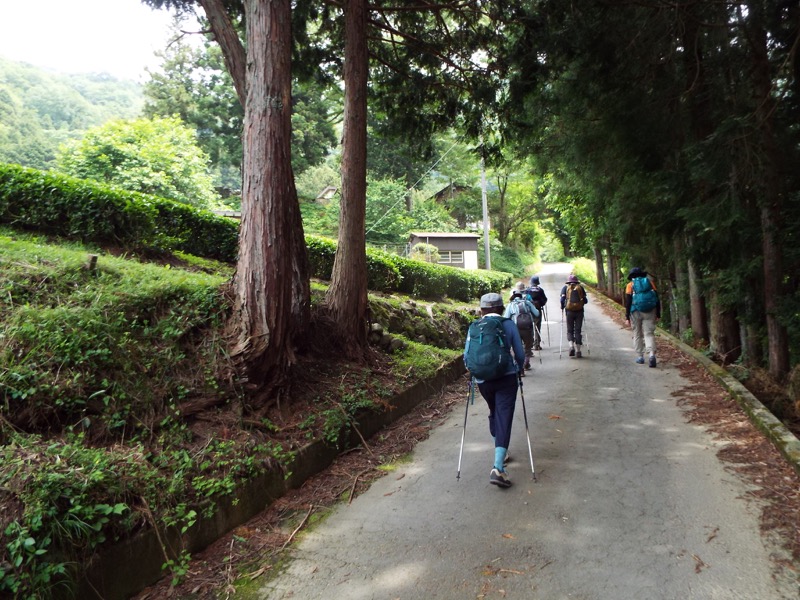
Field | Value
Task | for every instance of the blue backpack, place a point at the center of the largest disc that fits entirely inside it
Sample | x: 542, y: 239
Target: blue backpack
x: 488, y: 355
x: 644, y: 296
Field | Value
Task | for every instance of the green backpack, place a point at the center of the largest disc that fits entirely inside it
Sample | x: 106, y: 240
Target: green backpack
x: 488, y: 354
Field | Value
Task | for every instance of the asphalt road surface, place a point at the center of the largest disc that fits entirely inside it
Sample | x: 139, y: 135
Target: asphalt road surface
x: 631, y: 501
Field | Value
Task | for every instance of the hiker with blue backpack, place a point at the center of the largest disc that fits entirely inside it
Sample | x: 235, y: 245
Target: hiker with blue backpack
x: 524, y: 314
x: 642, y: 310
x: 495, y: 357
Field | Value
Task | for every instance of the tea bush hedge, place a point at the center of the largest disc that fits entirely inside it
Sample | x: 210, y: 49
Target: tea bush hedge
x: 94, y: 212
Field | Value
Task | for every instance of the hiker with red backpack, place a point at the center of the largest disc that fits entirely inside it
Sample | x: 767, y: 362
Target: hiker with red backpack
x: 494, y: 355
x: 573, y: 299
x: 642, y: 310
x: 524, y: 314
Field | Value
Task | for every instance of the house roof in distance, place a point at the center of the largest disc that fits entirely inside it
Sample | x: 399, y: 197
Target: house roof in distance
x: 443, y: 234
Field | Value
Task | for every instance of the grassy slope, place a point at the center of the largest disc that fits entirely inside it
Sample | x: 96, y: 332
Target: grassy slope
x: 102, y: 372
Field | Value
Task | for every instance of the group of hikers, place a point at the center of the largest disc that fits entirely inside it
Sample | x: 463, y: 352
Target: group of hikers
x: 501, y: 343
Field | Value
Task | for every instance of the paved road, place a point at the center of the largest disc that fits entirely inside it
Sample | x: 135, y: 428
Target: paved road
x: 631, y: 501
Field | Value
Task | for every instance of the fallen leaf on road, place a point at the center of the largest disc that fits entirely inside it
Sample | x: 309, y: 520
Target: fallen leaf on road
x: 554, y: 417
x: 700, y: 564
x: 713, y: 534
x: 508, y: 536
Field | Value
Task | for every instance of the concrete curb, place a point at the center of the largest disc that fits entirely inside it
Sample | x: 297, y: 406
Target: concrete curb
x: 784, y: 440
x: 123, y: 569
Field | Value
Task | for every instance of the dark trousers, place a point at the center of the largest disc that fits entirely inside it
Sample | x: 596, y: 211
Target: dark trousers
x: 501, y: 396
x: 526, y: 335
x: 574, y: 326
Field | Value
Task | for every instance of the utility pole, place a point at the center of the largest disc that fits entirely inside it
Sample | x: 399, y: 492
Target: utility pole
x: 485, y: 206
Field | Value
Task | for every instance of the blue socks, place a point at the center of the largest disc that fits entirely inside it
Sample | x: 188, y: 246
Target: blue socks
x: 499, y: 457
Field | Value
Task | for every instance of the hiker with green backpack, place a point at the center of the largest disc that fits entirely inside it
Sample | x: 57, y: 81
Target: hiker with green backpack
x: 495, y: 358
x: 642, y: 310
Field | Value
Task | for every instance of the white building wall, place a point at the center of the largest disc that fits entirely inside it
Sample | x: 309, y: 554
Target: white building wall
x: 471, y: 259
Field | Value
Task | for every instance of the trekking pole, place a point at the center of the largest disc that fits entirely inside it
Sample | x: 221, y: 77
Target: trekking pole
x: 470, y: 397
x: 561, y: 334
x: 539, y: 333
x: 547, y: 322
x: 586, y: 335
x: 527, y: 431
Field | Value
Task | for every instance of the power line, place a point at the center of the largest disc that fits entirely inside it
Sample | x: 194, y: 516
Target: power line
x: 433, y: 166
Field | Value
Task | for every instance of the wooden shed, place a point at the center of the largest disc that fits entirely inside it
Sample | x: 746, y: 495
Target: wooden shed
x: 455, y: 249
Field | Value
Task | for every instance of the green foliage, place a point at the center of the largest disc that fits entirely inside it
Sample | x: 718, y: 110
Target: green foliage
x: 339, y: 409
x: 425, y: 253
x: 585, y: 269
x: 382, y: 272
x: 73, y: 207
x: 74, y: 499
x: 39, y: 110
x: 105, y: 360
x: 550, y: 249
x: 389, y: 272
x: 90, y: 211
x: 420, y: 361
x: 117, y: 336
x: 388, y: 219
x: 503, y: 258
x: 193, y: 83
x: 156, y: 156
x: 312, y: 181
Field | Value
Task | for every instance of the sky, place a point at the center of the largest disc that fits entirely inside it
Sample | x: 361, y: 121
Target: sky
x: 118, y: 37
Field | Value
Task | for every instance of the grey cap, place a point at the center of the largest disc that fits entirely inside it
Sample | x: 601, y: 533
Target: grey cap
x: 519, y: 286
x: 491, y: 300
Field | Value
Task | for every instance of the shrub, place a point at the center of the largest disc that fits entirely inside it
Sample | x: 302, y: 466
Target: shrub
x: 425, y: 252
x: 90, y: 211
x: 74, y: 208
x: 94, y: 212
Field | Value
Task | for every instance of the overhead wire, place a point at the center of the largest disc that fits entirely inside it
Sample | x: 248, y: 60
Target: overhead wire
x: 432, y: 167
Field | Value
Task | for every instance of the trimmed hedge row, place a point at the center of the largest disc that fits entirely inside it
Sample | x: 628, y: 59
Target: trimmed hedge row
x: 93, y: 212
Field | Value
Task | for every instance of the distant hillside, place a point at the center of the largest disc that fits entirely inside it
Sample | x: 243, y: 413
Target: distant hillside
x: 40, y: 109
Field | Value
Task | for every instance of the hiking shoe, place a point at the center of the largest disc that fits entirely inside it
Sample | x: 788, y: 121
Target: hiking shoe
x: 640, y: 360
x: 528, y: 364
x: 578, y: 354
x: 572, y: 351
x: 539, y: 348
x: 499, y: 478
x: 507, y: 459
x: 652, y: 362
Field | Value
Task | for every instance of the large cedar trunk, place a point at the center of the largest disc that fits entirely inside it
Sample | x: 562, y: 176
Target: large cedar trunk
x: 697, y: 306
x: 771, y: 200
x: 599, y: 267
x: 614, y: 282
x: 271, y: 282
x: 680, y: 317
x: 753, y: 350
x: 724, y: 332
x: 233, y: 53
x: 347, y: 295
